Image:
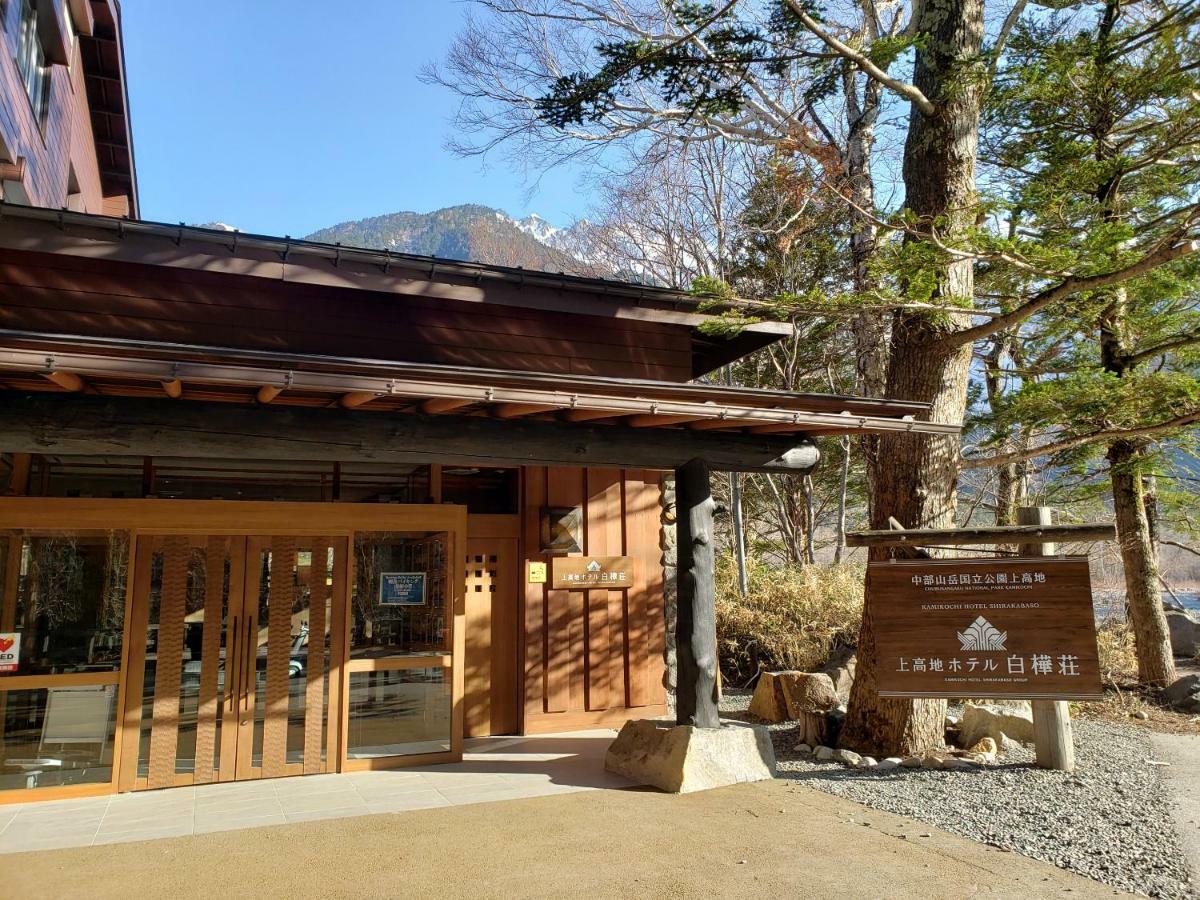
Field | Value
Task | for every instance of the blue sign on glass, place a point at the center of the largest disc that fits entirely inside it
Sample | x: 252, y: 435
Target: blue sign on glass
x: 402, y: 589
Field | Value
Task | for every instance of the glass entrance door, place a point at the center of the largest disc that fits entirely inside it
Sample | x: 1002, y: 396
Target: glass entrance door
x: 230, y: 660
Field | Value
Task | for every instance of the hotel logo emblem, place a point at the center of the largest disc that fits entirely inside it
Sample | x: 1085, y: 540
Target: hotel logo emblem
x: 982, y: 635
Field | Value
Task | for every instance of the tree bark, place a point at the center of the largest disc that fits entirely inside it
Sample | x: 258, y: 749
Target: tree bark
x: 914, y: 478
x: 696, y: 621
x: 1143, y: 596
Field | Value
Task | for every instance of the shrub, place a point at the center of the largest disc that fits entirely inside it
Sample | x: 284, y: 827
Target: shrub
x: 791, y: 618
x: 1118, y: 653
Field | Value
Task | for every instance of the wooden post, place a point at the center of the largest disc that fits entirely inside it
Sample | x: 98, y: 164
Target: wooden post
x: 1051, y: 718
x: 696, y: 622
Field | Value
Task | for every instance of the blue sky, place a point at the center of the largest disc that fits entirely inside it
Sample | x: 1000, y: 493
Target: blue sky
x: 284, y: 116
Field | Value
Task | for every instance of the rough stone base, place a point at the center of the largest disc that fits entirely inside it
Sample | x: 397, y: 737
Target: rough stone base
x: 680, y: 759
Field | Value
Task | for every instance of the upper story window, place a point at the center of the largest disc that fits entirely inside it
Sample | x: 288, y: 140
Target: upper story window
x: 31, y: 61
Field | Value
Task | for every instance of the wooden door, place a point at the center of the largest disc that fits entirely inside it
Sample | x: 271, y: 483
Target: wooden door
x: 232, y: 639
x: 293, y: 621
x: 182, y: 686
x: 491, y: 650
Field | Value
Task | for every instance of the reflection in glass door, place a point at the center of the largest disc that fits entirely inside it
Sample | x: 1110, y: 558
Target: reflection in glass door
x: 229, y: 668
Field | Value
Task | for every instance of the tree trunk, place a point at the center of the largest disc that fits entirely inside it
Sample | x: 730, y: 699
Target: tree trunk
x: 915, y: 477
x: 1143, y: 596
x: 1143, y: 593
x: 696, y: 621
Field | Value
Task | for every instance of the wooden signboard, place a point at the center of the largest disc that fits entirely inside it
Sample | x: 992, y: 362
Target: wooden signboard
x: 578, y: 573
x: 985, y: 628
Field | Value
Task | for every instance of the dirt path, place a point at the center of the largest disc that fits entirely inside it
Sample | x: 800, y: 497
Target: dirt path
x: 1182, y: 751
x: 772, y: 839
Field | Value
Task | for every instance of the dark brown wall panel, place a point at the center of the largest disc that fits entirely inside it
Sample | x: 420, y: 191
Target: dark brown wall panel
x: 72, y: 295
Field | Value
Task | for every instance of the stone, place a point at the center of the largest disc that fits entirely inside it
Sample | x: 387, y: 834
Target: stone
x: 891, y: 762
x: 803, y: 749
x: 824, y: 753
x: 985, y: 748
x: 1007, y: 743
x: 1184, y: 694
x: 1185, y: 632
x: 932, y: 761
x: 787, y: 696
x: 911, y: 762
x: 847, y: 757
x: 840, y: 668
x: 980, y: 720
x: 681, y: 759
x: 868, y: 762
x: 1141, y: 715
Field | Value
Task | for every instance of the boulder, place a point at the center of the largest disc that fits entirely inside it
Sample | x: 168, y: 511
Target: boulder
x: 847, y: 757
x: 681, y: 759
x: 824, y: 753
x: 868, y: 762
x: 889, y: 763
x: 1185, y: 632
x: 980, y: 720
x: 803, y: 749
x: 840, y: 669
x: 911, y: 762
x: 984, y: 750
x: 1184, y: 694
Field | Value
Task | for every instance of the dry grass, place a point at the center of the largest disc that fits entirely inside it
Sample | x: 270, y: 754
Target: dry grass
x: 1124, y: 698
x: 792, y: 618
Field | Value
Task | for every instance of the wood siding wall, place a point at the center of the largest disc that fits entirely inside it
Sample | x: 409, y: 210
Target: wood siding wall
x: 595, y: 658
x: 64, y: 294
x: 66, y: 140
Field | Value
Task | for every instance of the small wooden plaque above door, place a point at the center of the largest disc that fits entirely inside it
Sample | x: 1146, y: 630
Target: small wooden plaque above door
x: 579, y: 573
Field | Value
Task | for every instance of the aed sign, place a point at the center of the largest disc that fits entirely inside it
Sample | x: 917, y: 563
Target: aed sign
x: 402, y: 589
x: 985, y: 628
x: 577, y: 573
x: 537, y: 572
x: 10, y: 650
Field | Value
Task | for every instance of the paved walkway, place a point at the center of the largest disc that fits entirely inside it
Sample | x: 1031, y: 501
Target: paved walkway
x: 492, y: 769
x: 764, y: 840
x: 1182, y: 751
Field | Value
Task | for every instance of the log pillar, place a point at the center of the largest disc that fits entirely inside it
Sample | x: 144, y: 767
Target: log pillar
x: 696, y: 624
x: 1052, y: 736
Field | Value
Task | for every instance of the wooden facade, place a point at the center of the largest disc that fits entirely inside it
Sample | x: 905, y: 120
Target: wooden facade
x: 595, y: 657
x: 79, y: 157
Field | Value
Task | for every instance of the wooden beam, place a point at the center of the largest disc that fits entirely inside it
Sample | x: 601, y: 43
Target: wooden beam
x: 267, y: 393
x: 588, y: 415
x: 719, y: 424
x: 652, y: 421
x: 516, y: 410
x: 13, y: 171
x: 437, y: 405
x: 999, y: 534
x: 68, y: 381
x: 173, y: 388
x: 87, y: 424
x: 696, y: 622
x: 355, y: 399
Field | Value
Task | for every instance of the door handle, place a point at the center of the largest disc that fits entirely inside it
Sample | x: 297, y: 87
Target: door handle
x: 250, y: 666
x: 232, y: 673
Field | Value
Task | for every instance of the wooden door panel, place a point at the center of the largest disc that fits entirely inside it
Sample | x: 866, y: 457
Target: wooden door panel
x: 491, y: 679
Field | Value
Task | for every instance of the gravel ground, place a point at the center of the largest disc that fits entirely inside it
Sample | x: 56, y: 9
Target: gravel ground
x: 1109, y: 820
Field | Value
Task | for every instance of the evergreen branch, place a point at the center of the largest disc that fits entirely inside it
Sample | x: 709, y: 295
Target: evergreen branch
x: 909, y: 91
x: 1074, y: 284
x: 1183, y: 340
x: 1079, y: 440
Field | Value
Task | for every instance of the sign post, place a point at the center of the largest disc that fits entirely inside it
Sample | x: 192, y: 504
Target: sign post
x: 1052, y: 737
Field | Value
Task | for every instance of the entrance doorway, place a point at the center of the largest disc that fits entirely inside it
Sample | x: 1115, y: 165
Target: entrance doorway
x: 232, y: 639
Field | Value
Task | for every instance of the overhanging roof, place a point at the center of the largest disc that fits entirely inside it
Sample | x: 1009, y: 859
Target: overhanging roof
x: 66, y: 363
x: 288, y: 260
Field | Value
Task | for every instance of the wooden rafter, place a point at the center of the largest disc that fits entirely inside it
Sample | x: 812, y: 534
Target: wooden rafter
x: 439, y: 405
x: 68, y: 381
x: 517, y: 410
x: 355, y: 399
x: 267, y: 393
x: 173, y: 388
